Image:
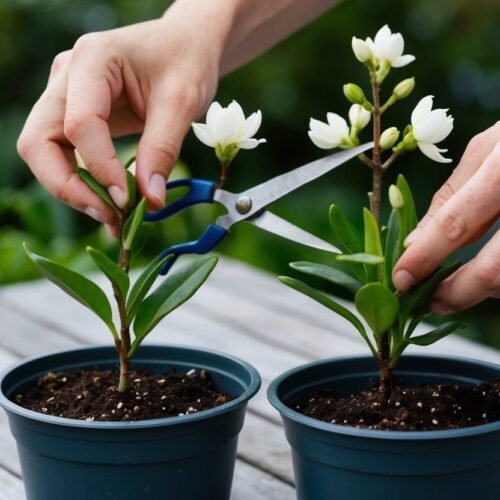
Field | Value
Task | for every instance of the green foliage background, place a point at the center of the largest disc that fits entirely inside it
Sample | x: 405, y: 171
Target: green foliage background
x: 457, y: 45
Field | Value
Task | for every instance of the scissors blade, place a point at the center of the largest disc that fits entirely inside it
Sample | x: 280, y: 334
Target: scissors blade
x: 274, y: 224
x: 274, y: 189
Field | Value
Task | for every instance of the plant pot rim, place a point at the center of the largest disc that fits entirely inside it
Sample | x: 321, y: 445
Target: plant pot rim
x: 285, y: 411
x: 248, y: 393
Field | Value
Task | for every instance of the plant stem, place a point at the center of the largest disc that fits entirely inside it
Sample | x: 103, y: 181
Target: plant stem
x: 122, y: 345
x: 223, y: 175
x: 384, y: 364
x: 378, y: 172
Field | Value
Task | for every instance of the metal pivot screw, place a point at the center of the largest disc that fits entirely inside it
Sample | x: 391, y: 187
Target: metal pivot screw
x: 243, y: 204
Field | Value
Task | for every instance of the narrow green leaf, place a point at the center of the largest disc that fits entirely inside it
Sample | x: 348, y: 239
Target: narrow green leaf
x: 373, y: 245
x: 364, y: 258
x: 346, y: 236
x: 133, y: 224
x: 129, y: 162
x: 436, y: 334
x: 132, y: 189
x: 174, y: 291
x: 326, y: 301
x: 142, y: 286
x: 410, y: 213
x: 378, y: 305
x: 416, y: 300
x: 77, y: 286
x: 118, y: 277
x: 101, y: 191
x: 391, y: 245
x: 329, y: 273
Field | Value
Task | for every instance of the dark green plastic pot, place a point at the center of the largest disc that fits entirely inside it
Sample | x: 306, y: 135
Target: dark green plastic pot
x: 177, y: 458
x: 333, y: 462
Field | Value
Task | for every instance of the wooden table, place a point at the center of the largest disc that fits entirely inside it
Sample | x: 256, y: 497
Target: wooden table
x: 240, y: 311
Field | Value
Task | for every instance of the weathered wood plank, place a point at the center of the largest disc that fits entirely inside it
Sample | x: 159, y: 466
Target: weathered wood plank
x: 12, y: 487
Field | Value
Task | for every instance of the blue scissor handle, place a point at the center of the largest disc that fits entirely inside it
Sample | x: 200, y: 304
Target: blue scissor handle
x: 212, y: 236
x: 200, y: 191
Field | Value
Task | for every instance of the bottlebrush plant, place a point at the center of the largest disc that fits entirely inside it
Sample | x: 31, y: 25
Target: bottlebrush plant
x: 369, y: 258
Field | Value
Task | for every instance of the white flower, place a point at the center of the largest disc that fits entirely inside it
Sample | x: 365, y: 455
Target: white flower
x: 396, y: 197
x: 430, y: 127
x: 385, y: 50
x: 359, y: 116
x: 228, y: 127
x: 329, y: 135
x: 362, y: 50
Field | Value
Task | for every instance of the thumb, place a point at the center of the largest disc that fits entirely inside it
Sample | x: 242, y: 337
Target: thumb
x: 167, y: 123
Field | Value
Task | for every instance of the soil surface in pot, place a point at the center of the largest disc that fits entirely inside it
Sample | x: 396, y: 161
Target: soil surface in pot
x: 429, y: 407
x: 93, y: 395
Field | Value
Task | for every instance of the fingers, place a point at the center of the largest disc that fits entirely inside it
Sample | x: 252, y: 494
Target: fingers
x: 51, y: 158
x: 474, y: 282
x: 476, y: 152
x: 454, y: 223
x: 94, y: 82
x: 169, y: 117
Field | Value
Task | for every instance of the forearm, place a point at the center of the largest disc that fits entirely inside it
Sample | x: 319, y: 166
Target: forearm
x: 240, y: 30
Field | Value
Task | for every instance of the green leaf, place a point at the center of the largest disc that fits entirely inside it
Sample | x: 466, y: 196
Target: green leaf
x: 77, y: 286
x: 373, y: 245
x: 329, y: 273
x: 326, y: 301
x: 364, y: 258
x: 391, y: 245
x: 133, y: 224
x: 437, y: 334
x: 118, y: 277
x: 129, y: 162
x: 410, y: 213
x: 132, y: 189
x: 378, y: 305
x: 346, y: 236
x: 174, y: 291
x: 101, y: 191
x: 142, y: 286
x: 416, y: 300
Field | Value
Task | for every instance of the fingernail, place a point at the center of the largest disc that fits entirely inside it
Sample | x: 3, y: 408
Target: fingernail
x: 119, y: 196
x: 157, y: 187
x: 440, y: 308
x: 412, y: 237
x: 403, y: 280
x: 96, y: 215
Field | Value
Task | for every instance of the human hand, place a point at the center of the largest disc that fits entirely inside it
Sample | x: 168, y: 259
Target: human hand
x: 152, y: 78
x: 463, y: 209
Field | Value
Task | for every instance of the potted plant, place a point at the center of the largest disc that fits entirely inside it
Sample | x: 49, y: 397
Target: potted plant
x: 165, y: 426
x: 430, y: 426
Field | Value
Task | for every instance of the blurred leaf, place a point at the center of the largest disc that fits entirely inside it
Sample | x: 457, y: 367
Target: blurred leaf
x: 174, y: 291
x: 346, y: 236
x: 112, y: 270
x: 363, y: 258
x: 132, y: 189
x: 329, y: 273
x: 378, y: 305
x: 391, y: 242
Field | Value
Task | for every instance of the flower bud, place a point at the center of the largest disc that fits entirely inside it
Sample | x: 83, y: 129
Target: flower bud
x: 359, y: 117
x: 395, y: 197
x: 389, y: 138
x: 404, y: 89
x: 361, y: 50
x: 354, y: 93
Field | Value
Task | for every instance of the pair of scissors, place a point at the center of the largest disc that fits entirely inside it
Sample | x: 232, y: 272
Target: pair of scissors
x: 249, y: 206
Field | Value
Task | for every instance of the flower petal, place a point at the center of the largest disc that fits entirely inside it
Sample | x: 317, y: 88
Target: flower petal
x: 338, y: 124
x: 395, y: 47
x: 213, y: 112
x: 383, y: 35
x: 403, y: 61
x: 433, y: 152
x: 433, y: 127
x: 359, y: 116
x: 423, y: 107
x: 249, y: 143
x: 252, y: 124
x: 201, y: 131
x: 321, y: 141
